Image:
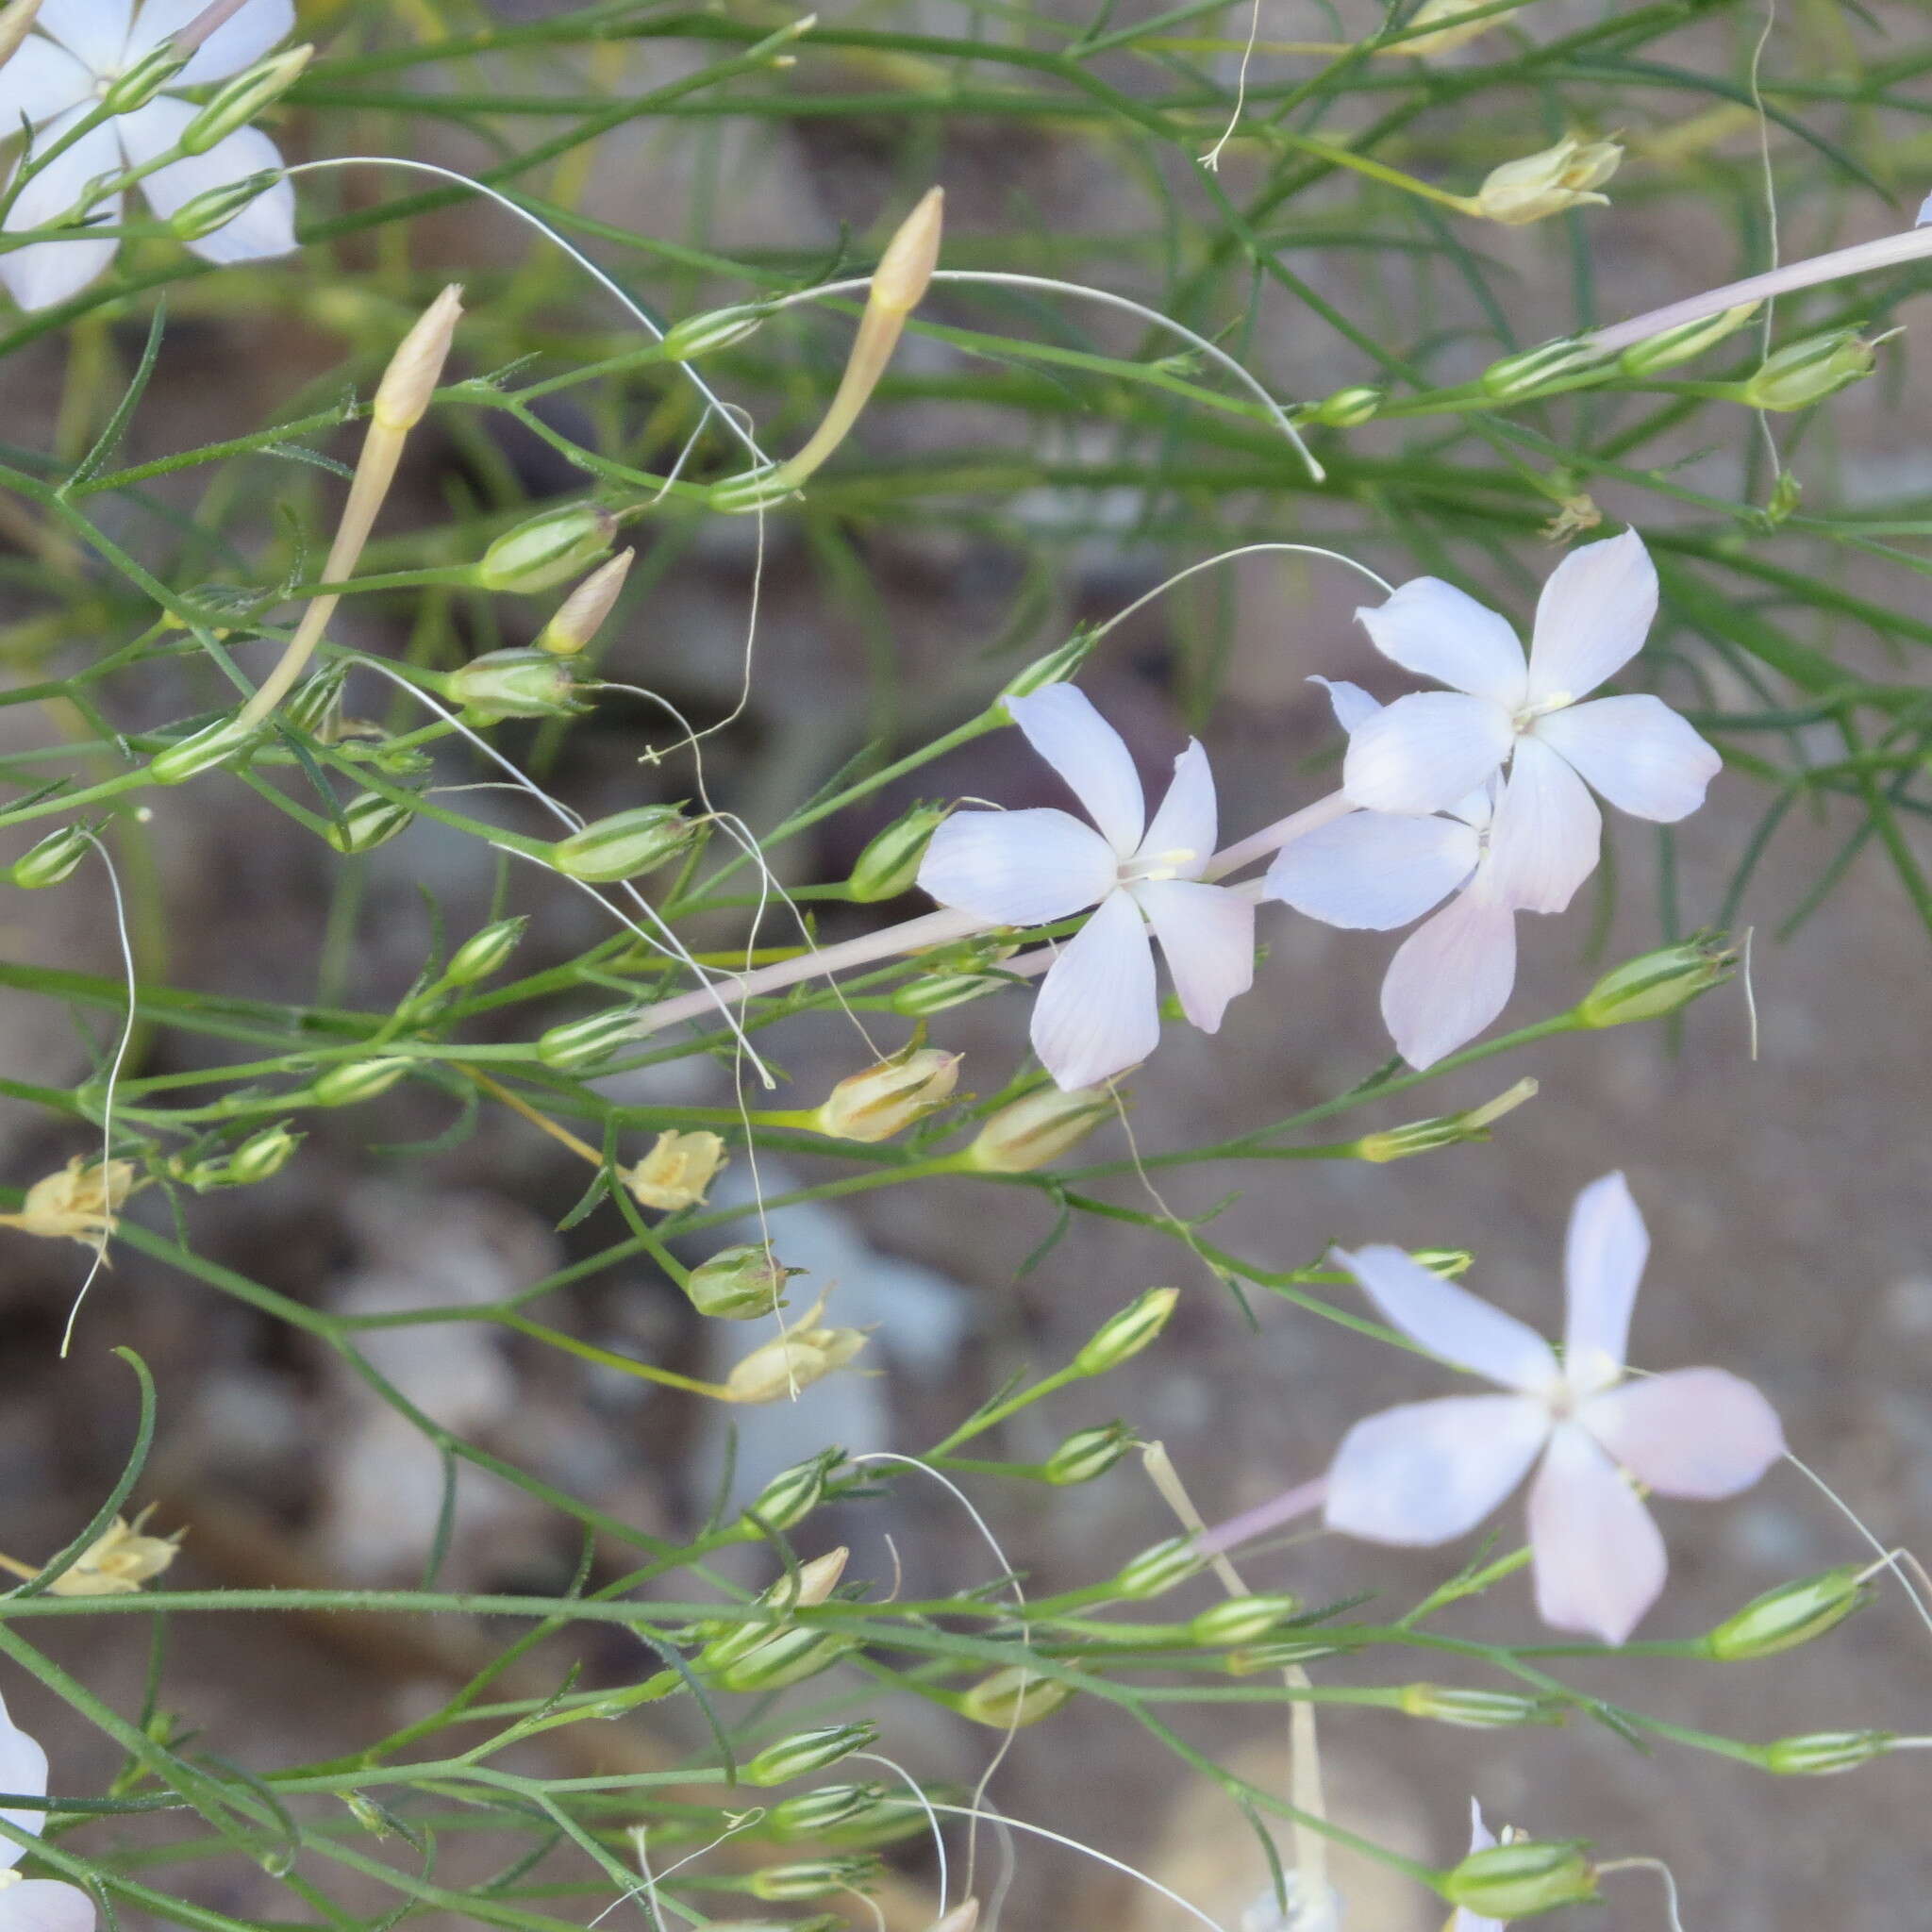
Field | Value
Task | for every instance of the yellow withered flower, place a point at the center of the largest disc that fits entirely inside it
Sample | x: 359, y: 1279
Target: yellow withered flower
x: 676, y: 1171
x: 80, y: 1202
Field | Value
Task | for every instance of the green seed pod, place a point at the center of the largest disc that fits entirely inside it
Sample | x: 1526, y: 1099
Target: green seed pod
x: 357, y: 1080
x: 262, y: 1155
x: 1127, y: 1333
x: 889, y: 863
x: 806, y: 1751
x: 368, y: 820
x: 514, y: 683
x: 1657, y: 983
x: 1157, y: 1570
x: 789, y: 1658
x: 1794, y: 1614
x: 135, y: 86
x: 1087, y: 1453
x: 1011, y: 1699
x: 1348, y: 408
x: 626, y: 846
x: 719, y: 328
x: 740, y: 1283
x: 1241, y: 1619
x: 813, y: 1812
x: 202, y: 751
x: 1822, y: 1754
x: 1474, y: 1711
x: 1807, y: 372
x: 545, y: 549
x: 237, y: 101
x: 814, y: 1878
x: 215, y: 208
x: 1516, y: 379
x: 1656, y: 353
x: 485, y: 952
x: 52, y: 860
x: 793, y: 1494
x: 1516, y: 1881
x: 935, y: 993
x: 578, y: 1045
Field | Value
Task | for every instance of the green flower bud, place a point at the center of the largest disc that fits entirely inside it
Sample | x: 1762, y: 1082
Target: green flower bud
x: 1054, y: 668
x: 1012, y: 1698
x: 739, y: 1283
x: 1087, y: 1453
x: 1475, y: 1711
x: 936, y: 991
x: 1259, y: 1658
x: 719, y: 328
x: 789, y: 1658
x: 1241, y: 1619
x: 1822, y: 1754
x: 1039, y: 1127
x: 135, y: 86
x: 889, y: 863
x: 485, y: 952
x: 1127, y: 1333
x: 813, y: 1812
x: 1447, y: 1263
x: 1348, y: 408
x: 545, y: 549
x: 1444, y: 1130
x: 202, y: 751
x: 1516, y: 379
x: 514, y: 683
x: 807, y: 1751
x: 237, y: 101
x: 53, y: 858
x: 311, y: 705
x: 1794, y: 1614
x: 1657, y: 983
x: 1807, y: 372
x: 1656, y: 353
x: 357, y: 1080
x: 814, y: 1878
x: 215, y: 208
x: 793, y: 1494
x: 626, y: 846
x: 1157, y: 1570
x: 578, y: 1045
x: 752, y: 489
x: 262, y: 1155
x: 1516, y: 1881
x: 367, y: 821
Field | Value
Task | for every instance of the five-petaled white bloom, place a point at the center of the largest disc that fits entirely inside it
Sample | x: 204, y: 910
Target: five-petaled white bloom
x: 1429, y: 749
x: 1097, y: 1013
x: 1430, y: 1471
x: 32, y: 1904
x: 60, y: 77
x: 1376, y: 870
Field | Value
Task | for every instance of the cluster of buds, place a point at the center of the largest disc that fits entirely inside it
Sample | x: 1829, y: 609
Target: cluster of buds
x: 80, y: 1202
x: 676, y: 1172
x: 777, y: 1370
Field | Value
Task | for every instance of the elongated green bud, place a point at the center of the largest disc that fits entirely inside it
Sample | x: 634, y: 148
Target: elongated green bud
x: 237, y: 101
x: 215, y: 208
x: 1257, y: 1659
x: 1038, y: 1128
x: 739, y: 1283
x: 788, y: 1658
x: 1012, y: 1698
x: 1127, y: 1333
x: 545, y: 549
x: 1157, y: 1570
x: 1475, y: 1711
x: 1657, y: 353
x: 514, y: 683
x: 793, y: 1494
x: 936, y: 992
x: 216, y: 745
x: 357, y: 1080
x: 367, y: 821
x: 807, y: 1751
x: 1807, y: 372
x: 1445, y: 1130
x: 1087, y: 1454
x: 582, y: 615
x: 889, y: 863
x: 578, y: 1045
x: 54, y: 858
x: 1348, y: 408
x: 135, y: 86
x: 1241, y: 1619
x: 1516, y: 379
x: 825, y: 1809
x: 1057, y: 667
x: 814, y: 1878
x: 718, y: 328
x: 485, y: 952
x: 626, y: 846
x: 312, y: 704
x: 1824, y: 1754
x: 1517, y: 1881
x: 262, y: 1155
x: 1784, y: 1618
x: 1657, y: 983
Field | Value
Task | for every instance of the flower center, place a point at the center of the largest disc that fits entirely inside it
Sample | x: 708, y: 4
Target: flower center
x: 1527, y: 714
x: 1150, y: 868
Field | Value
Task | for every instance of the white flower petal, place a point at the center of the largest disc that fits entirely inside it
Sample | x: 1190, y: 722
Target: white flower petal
x: 1063, y: 728
x: 42, y: 81
x: 1097, y: 1014
x: 1424, y: 752
x: 1481, y: 1839
x: 1183, y: 831
x: 22, y: 1769
x: 1637, y: 752
x: 1018, y: 868
x: 1603, y: 1262
x: 1350, y: 703
x: 240, y: 41
x: 1451, y: 977
x: 1592, y: 617
x: 1430, y: 1471
x: 1438, y: 631
x: 1207, y: 934
x: 1448, y: 1321
x: 93, y: 31
x: 50, y: 272
x: 1548, y: 833
x: 45, y: 1904
x: 1372, y: 871
x: 265, y: 228
x: 1600, y: 1561
x: 1694, y: 1432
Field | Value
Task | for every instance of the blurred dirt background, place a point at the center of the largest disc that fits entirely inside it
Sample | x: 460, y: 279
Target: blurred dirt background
x: 1786, y: 1198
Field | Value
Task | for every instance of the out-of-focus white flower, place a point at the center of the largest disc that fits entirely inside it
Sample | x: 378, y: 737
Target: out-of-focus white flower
x: 1098, y: 1013
x: 1429, y: 1470
x: 1374, y: 871
x: 32, y: 1904
x: 1428, y: 750
x: 1481, y: 1840
x: 60, y: 75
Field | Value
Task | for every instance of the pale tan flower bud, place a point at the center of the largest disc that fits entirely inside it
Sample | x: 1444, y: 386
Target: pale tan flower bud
x: 676, y: 1171
x: 807, y: 1354
x: 1548, y: 182
x: 886, y: 1098
x: 905, y: 271
x: 80, y: 1202
x: 414, y: 370
x: 582, y: 615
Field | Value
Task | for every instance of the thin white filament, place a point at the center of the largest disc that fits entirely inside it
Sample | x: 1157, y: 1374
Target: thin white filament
x: 912, y: 1784
x: 1212, y: 160
x: 1889, y: 1558
x: 1662, y: 1870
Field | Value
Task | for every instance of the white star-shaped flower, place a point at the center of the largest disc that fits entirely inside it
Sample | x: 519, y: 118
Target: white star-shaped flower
x: 1098, y: 1013
x: 32, y: 1904
x: 58, y: 77
x: 1429, y: 749
x: 1429, y: 1470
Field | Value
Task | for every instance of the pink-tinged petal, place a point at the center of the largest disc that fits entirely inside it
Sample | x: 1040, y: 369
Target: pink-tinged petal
x: 1449, y: 1321
x: 1438, y: 631
x: 93, y: 31
x: 1548, y: 833
x: 1063, y: 728
x: 1702, y: 1433
x: 240, y: 41
x: 22, y: 1769
x: 1206, y: 935
x: 1372, y: 871
x: 1018, y: 868
x: 40, y: 80
x: 1450, y: 977
x: 1424, y: 752
x: 1430, y: 1471
x: 266, y: 228
x: 1097, y: 1013
x: 1183, y: 833
x: 1595, y: 612
x: 1637, y: 752
x: 1603, y: 1262
x: 45, y: 1904
x: 1350, y: 703
x: 45, y: 273
x: 1600, y: 1560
